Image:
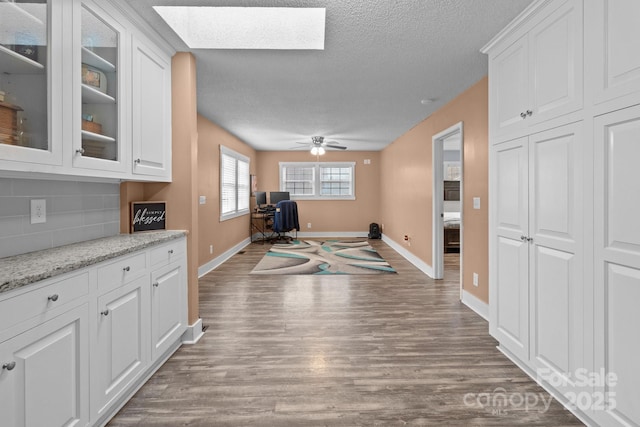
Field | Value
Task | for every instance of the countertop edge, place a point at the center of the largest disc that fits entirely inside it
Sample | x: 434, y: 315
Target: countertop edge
x: 133, y: 242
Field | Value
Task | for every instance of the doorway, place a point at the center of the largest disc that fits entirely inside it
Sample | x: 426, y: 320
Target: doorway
x: 447, y: 154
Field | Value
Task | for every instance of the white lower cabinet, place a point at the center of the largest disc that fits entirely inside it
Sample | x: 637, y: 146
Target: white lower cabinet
x: 167, y: 293
x: 44, y: 377
x: 75, y: 348
x: 121, y: 342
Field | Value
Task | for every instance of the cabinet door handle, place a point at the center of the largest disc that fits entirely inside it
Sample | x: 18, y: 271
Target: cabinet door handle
x: 170, y: 251
x: 53, y: 297
x: 127, y: 268
x: 530, y: 239
x: 9, y: 366
x: 523, y: 238
x: 529, y: 113
x: 523, y: 115
x: 137, y: 161
x: 105, y: 312
x: 156, y: 284
x: 80, y: 151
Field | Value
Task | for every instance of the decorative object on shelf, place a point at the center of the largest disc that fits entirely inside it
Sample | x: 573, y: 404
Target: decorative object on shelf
x: 91, y: 126
x: 95, y: 78
x: 147, y: 216
x: 9, y: 123
x: 1, y: 96
x: 27, y: 50
x: 93, y: 149
x: 25, y: 45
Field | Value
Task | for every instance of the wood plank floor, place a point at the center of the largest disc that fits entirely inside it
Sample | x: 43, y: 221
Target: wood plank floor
x: 359, y: 350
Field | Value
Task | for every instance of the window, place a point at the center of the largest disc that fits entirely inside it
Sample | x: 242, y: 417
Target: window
x: 318, y: 180
x: 234, y: 184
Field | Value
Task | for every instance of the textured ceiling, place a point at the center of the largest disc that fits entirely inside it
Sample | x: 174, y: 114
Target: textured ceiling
x: 381, y: 58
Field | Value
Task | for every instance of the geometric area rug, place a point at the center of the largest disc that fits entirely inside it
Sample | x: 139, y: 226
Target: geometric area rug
x: 328, y: 257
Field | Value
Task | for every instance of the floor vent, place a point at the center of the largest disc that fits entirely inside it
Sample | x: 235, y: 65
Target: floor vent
x: 204, y: 328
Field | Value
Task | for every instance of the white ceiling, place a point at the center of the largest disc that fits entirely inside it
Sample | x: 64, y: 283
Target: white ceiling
x: 381, y: 58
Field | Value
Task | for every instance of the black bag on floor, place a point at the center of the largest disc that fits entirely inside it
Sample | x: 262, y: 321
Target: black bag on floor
x: 374, y: 231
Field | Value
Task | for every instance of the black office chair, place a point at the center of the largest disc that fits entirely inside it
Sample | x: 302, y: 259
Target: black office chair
x: 285, y: 219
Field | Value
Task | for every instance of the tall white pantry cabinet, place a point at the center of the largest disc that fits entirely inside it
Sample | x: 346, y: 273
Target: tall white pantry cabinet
x: 564, y: 273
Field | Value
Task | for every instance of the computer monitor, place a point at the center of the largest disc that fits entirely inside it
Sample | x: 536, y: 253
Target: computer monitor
x: 261, y: 198
x: 277, y: 196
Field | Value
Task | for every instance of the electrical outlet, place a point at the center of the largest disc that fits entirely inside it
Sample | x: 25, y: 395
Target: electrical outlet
x: 210, y: 249
x: 476, y: 203
x: 38, y: 211
x: 203, y: 200
x: 308, y: 225
x: 475, y: 279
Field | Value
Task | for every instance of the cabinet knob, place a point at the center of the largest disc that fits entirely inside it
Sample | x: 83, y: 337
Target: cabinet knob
x: 523, y: 238
x: 170, y: 251
x: 80, y: 151
x: 137, y: 161
x: 127, y: 268
x: 53, y: 297
x: 523, y: 115
x: 156, y: 284
x: 9, y: 366
x: 530, y: 239
x: 529, y: 113
x: 105, y: 312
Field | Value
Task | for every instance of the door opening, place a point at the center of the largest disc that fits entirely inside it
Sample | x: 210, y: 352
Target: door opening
x: 447, y: 227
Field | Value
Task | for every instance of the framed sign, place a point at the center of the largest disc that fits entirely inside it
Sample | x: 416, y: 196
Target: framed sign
x: 147, y: 216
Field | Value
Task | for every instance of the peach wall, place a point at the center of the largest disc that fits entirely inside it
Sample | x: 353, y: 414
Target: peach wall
x: 406, y: 178
x: 181, y: 194
x: 330, y: 215
x: 226, y: 234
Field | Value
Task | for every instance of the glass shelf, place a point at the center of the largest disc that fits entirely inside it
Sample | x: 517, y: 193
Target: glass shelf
x: 14, y: 63
x: 94, y: 96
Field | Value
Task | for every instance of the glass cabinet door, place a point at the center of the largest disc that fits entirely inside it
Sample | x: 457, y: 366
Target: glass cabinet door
x: 100, y: 88
x: 25, y: 81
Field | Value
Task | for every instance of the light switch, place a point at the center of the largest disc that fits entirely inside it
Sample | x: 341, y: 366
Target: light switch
x: 203, y: 200
x: 476, y: 203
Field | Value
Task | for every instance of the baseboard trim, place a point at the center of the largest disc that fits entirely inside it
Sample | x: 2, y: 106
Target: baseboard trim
x: 193, y: 333
x: 476, y: 304
x: 417, y: 262
x: 220, y: 259
x: 584, y: 418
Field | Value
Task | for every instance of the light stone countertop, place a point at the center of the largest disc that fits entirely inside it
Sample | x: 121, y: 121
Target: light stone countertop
x: 21, y: 270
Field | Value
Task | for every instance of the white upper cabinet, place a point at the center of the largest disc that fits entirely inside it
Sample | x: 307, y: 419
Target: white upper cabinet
x: 99, y: 137
x: 151, y: 114
x: 616, y: 51
x: 538, y: 71
x: 87, y: 91
x: 30, y: 77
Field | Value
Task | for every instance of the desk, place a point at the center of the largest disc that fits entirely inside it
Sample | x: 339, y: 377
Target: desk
x: 262, y: 226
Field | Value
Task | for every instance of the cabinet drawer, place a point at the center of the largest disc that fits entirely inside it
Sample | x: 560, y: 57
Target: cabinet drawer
x: 168, y: 253
x: 122, y: 271
x: 39, y: 301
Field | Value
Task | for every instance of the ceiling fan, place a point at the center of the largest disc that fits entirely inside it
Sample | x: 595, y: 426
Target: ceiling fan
x: 318, y: 145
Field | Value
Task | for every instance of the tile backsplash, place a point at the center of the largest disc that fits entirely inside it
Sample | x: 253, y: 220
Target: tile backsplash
x: 75, y: 212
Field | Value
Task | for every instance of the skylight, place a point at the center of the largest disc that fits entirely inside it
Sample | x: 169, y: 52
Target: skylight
x: 205, y: 27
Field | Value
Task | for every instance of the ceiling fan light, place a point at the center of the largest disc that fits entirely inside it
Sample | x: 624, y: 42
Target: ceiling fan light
x: 314, y: 151
x: 320, y: 150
